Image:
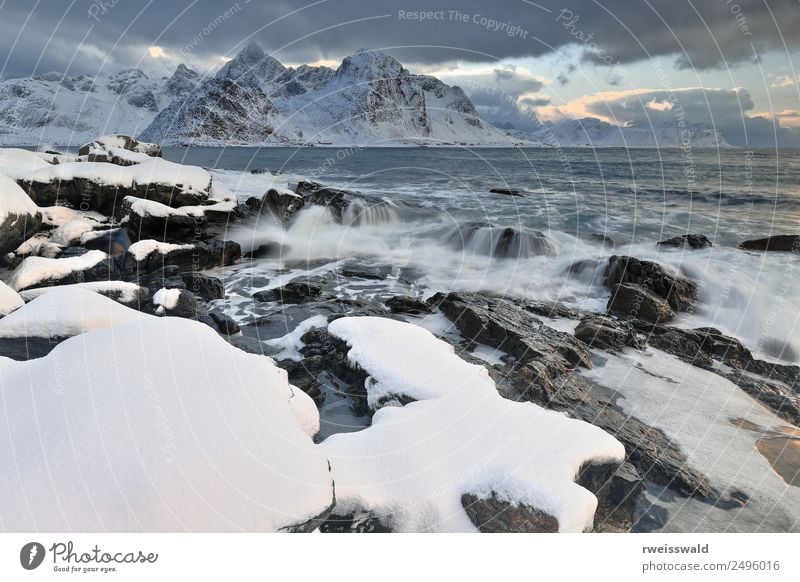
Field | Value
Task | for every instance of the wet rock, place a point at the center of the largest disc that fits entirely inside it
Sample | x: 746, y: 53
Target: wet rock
x: 782, y: 242
x: 501, y: 242
x: 164, y: 226
x: 635, y: 301
x: 493, y: 515
x: 692, y: 241
x: 374, y: 273
x: 506, y: 191
x: 293, y: 292
x: 680, y: 293
x: 266, y: 251
x: 199, y: 257
x: 608, y: 334
x: 617, y: 488
x: 407, y: 305
x: 223, y: 323
x: 502, y: 325
x: 282, y: 204
x: 204, y: 286
x: 306, y: 187
x: 179, y: 303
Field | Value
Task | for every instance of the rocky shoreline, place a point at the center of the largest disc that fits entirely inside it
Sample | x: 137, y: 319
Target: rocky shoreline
x: 119, y: 221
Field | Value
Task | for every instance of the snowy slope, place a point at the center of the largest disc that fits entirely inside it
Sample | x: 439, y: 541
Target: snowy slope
x: 370, y: 99
x: 63, y: 110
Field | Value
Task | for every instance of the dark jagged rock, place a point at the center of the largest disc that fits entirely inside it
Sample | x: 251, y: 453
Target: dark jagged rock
x: 306, y: 187
x: 186, y: 306
x: 494, y: 515
x: 374, y: 273
x: 608, y: 334
x: 266, y: 251
x: 201, y: 256
x: 616, y: 488
x: 693, y: 241
x: 504, y: 326
x: 171, y: 227
x: 635, y: 301
x: 292, y: 292
x: 408, y: 305
x: 87, y: 194
x: 15, y: 229
x: 126, y: 142
x: 281, y: 204
x: 680, y: 293
x: 789, y: 243
x: 506, y: 191
x: 223, y: 323
x: 28, y: 348
x: 204, y: 286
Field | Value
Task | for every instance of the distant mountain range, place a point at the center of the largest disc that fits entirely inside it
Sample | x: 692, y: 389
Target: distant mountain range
x: 370, y: 99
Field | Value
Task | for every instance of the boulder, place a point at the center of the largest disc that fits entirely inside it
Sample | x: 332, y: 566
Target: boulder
x: 635, y: 301
x: 692, y: 241
x: 407, y: 305
x: 292, y: 292
x: 146, y: 219
x: 20, y: 219
x: 617, y: 487
x: 494, y: 515
x: 505, y: 191
x: 281, y: 203
x: 605, y: 241
x: 681, y: 294
x: 500, y: 242
x: 204, y: 286
x: 781, y: 242
x: 199, y: 256
x: 125, y: 142
x: 608, y: 334
x: 176, y: 303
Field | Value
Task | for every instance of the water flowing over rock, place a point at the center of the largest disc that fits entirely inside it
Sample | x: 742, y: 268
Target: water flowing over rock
x: 692, y: 241
x: 500, y: 242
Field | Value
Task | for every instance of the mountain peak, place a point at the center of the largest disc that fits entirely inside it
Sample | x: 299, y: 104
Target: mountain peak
x: 251, y: 66
x: 370, y: 63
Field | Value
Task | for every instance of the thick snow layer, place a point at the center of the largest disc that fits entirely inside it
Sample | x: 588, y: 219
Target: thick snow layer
x: 9, y: 300
x: 155, y: 425
x: 416, y: 461
x: 64, y: 312
x: 150, y: 171
x: 128, y: 292
x: 59, y: 215
x: 73, y: 231
x: 35, y: 270
x: 696, y: 408
x: 16, y: 163
x: 167, y: 298
x: 144, y: 207
x: 142, y: 249
x: 14, y: 200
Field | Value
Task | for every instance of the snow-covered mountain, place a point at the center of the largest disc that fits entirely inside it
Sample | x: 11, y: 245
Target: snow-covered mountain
x: 593, y: 132
x: 65, y: 110
x: 370, y: 99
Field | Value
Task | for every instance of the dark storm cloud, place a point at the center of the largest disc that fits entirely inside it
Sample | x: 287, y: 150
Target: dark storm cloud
x: 47, y: 35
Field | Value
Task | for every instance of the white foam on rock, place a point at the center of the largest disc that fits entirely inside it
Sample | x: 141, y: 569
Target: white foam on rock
x: 416, y: 461
x: 158, y: 425
x: 35, y: 270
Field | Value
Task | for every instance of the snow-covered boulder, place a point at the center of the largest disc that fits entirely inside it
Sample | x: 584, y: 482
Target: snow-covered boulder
x: 9, y: 299
x: 19, y: 216
x: 100, y: 186
x: 124, y: 292
x: 165, y: 428
x: 455, y: 448
x: 42, y: 271
x: 60, y: 312
x: 120, y: 147
x: 149, y: 255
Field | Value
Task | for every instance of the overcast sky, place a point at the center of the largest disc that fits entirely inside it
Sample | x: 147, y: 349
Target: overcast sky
x: 726, y: 62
